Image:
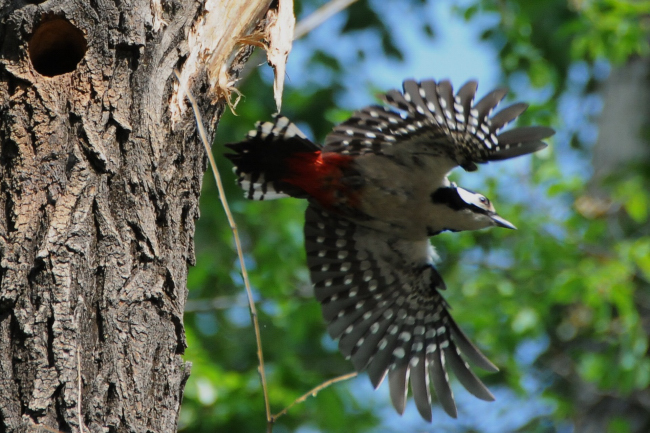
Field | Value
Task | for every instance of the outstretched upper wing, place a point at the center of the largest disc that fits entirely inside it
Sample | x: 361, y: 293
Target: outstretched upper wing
x: 436, y: 122
x: 380, y: 297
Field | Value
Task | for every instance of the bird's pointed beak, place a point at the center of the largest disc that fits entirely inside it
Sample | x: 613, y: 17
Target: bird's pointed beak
x: 501, y: 222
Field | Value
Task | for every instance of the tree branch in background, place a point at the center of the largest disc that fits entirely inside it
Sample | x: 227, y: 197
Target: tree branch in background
x: 321, y: 15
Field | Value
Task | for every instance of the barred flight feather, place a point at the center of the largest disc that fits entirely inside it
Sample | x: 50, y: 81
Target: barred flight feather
x: 448, y: 124
x: 384, y: 307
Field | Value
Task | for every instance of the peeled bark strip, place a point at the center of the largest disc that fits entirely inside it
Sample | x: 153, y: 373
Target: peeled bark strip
x: 99, y: 194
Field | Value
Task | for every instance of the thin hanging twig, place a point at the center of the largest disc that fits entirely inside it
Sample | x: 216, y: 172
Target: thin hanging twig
x: 313, y: 393
x: 240, y: 252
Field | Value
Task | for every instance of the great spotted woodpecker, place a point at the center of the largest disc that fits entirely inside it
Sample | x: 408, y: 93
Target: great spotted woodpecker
x: 377, y: 191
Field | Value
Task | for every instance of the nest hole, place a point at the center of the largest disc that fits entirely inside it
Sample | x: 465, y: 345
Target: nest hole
x: 56, y: 47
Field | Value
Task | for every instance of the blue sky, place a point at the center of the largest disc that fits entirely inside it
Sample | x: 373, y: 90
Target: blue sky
x: 455, y: 52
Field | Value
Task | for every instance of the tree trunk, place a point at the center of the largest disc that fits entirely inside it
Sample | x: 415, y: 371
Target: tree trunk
x: 100, y: 176
x: 622, y: 126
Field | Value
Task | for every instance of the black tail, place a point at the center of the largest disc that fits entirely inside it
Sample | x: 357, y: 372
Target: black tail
x: 261, y: 160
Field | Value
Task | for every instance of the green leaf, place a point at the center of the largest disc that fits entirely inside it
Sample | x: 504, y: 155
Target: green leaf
x: 525, y: 320
x: 637, y: 207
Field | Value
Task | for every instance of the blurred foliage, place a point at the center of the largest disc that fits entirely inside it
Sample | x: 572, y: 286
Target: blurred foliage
x: 572, y: 283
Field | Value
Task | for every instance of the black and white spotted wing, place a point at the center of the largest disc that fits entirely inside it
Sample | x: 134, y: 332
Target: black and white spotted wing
x: 432, y: 120
x: 380, y: 297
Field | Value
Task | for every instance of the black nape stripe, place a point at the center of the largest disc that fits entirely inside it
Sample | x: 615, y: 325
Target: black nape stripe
x: 449, y: 196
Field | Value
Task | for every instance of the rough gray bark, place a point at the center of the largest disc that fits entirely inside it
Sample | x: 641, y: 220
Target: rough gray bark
x: 99, y: 194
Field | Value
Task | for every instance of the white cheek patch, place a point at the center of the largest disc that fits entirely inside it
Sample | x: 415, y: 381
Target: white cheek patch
x: 472, y: 198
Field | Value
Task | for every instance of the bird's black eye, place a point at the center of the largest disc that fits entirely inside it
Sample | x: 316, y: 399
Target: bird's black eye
x: 484, y: 200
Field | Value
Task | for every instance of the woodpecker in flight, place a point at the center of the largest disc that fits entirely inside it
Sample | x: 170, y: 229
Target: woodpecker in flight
x: 377, y: 191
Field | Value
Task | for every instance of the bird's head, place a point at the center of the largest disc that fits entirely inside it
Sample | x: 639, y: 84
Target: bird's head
x: 468, y: 210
